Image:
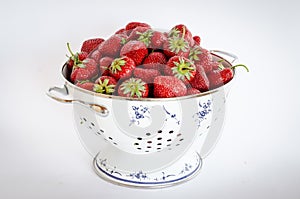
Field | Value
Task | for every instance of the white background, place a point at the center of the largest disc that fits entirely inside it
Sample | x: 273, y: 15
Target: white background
x: 258, y: 155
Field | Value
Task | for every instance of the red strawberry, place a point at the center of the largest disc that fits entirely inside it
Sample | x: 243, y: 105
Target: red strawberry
x: 194, y: 53
x: 133, y: 25
x: 96, y: 55
x: 133, y: 87
x: 183, y: 32
x: 157, y: 40
x: 152, y: 39
x: 166, y: 70
x: 168, y: 86
x: 121, y: 67
x: 90, y: 44
x: 197, y: 40
x: 136, y: 50
x: 155, y: 60
x: 215, y: 65
x: 76, y: 58
x: 85, y: 85
x: 112, y: 46
x: 205, y: 60
x: 182, y: 68
x: 105, y: 85
x: 192, y: 91
x: 139, y: 32
x: 84, y: 71
x: 147, y: 75
x: 200, y: 80
x: 174, y: 45
x: 121, y: 31
x: 104, y: 64
x: 218, y: 78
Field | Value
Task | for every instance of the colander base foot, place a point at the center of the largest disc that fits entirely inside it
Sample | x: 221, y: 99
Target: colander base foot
x: 181, y: 171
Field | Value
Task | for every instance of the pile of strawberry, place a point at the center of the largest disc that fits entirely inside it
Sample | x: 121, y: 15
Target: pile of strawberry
x: 138, y: 61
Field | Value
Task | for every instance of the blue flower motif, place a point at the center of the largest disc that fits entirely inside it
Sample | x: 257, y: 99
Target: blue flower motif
x: 171, y: 116
x: 201, y: 115
x: 139, y: 113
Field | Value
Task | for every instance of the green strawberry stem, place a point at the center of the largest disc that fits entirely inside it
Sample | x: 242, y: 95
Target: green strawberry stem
x: 69, y: 49
x: 238, y: 65
x: 183, y: 33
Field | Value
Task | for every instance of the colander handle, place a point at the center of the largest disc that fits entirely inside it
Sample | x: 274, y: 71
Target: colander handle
x: 56, y: 93
x: 230, y: 55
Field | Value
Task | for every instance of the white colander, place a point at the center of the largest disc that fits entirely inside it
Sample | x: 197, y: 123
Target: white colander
x: 149, y: 142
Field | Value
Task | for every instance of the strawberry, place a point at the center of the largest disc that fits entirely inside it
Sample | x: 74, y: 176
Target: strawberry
x: 76, y: 58
x: 136, y: 50
x: 182, y: 31
x: 155, y: 60
x: 218, y: 78
x: 96, y: 55
x: 175, y: 45
x: 133, y: 87
x: 200, y: 80
x: 139, y: 32
x: 194, y: 53
x: 157, y: 40
x: 168, y: 86
x: 204, y: 59
x: 215, y: 65
x: 192, y: 91
x: 147, y: 75
x: 121, y: 67
x: 90, y: 44
x: 197, y: 40
x: 104, y: 64
x: 166, y: 70
x: 85, y: 85
x: 121, y: 31
x: 105, y: 85
x: 182, y: 68
x: 112, y: 46
x: 84, y: 71
x: 133, y: 25
x: 152, y: 39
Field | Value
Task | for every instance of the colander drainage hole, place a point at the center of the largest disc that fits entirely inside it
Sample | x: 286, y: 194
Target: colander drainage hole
x: 110, y: 138
x: 139, y: 138
x: 148, y: 134
x: 179, y: 134
x: 136, y: 144
x: 171, y: 132
x: 159, y: 144
x: 169, y: 140
x: 92, y: 124
x: 181, y: 139
x: 159, y: 131
x: 160, y: 138
x: 149, y: 142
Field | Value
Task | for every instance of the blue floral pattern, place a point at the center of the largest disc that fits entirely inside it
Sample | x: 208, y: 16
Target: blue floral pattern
x: 204, y: 111
x: 140, y: 112
x: 145, y: 178
x: 171, y: 116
